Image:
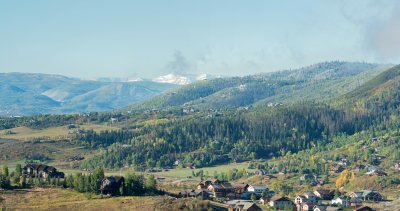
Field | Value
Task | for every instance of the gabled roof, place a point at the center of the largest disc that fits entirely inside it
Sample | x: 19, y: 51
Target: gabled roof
x: 279, y: 198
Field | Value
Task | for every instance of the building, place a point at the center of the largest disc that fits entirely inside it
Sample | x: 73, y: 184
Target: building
x: 246, y: 206
x: 111, y: 185
x: 306, y: 206
x: 355, y: 202
x: 240, y: 188
x: 264, y: 200
x: 257, y: 189
x: 324, y: 194
x: 41, y: 171
x: 367, y: 195
x: 281, y: 203
x: 341, y: 201
x: 221, y: 189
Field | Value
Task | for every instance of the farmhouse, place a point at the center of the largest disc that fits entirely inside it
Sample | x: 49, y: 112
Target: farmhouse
x: 111, y: 185
x: 41, y: 171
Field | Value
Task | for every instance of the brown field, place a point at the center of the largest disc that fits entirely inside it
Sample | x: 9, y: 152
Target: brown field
x: 62, y: 199
x: 25, y: 133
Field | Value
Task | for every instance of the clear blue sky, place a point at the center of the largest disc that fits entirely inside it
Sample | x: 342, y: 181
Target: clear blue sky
x: 93, y: 38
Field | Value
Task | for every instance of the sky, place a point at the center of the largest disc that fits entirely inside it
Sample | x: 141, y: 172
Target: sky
x: 117, y: 38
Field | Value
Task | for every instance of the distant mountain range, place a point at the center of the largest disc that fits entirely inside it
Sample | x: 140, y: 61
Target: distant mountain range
x: 27, y: 94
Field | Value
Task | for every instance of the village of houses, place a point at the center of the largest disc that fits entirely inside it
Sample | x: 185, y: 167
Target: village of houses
x: 227, y: 195
x: 224, y: 195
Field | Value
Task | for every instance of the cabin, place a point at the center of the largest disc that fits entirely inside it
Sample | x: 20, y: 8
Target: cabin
x: 367, y: 195
x: 281, y: 203
x: 324, y: 194
x: 111, y: 185
x: 41, y: 171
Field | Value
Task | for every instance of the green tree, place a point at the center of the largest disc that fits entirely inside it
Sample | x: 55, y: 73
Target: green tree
x: 18, y: 170
x: 4, y: 171
x: 96, y: 179
x: 150, y: 183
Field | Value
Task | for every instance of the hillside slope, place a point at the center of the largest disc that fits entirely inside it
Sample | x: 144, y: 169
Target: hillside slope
x: 317, y: 82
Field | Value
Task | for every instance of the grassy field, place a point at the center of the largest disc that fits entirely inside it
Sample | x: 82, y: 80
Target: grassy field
x: 25, y: 133
x: 62, y: 199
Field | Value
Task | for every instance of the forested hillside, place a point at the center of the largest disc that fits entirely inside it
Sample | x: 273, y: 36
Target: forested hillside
x: 261, y: 132
x: 317, y: 82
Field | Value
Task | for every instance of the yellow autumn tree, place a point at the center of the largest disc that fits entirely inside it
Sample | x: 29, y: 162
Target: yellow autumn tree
x: 343, y: 178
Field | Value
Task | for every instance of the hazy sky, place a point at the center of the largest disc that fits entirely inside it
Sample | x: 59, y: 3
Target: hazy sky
x: 93, y: 38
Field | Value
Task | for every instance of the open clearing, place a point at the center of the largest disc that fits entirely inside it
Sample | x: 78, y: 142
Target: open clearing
x: 62, y: 199
x: 25, y: 133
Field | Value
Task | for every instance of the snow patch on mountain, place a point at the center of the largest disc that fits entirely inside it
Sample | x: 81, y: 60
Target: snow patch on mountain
x: 173, y: 79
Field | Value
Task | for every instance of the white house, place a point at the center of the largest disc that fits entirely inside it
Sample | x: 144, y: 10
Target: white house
x: 342, y: 201
x: 257, y: 189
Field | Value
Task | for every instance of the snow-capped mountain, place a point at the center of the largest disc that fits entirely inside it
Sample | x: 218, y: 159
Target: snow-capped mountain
x: 173, y: 78
x: 178, y: 79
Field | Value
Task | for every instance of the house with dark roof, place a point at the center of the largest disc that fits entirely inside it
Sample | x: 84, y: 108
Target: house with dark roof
x: 111, y: 185
x: 324, y: 194
x: 41, y: 171
x: 246, y: 206
x: 281, y: 203
x: 367, y: 195
x: 221, y: 189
